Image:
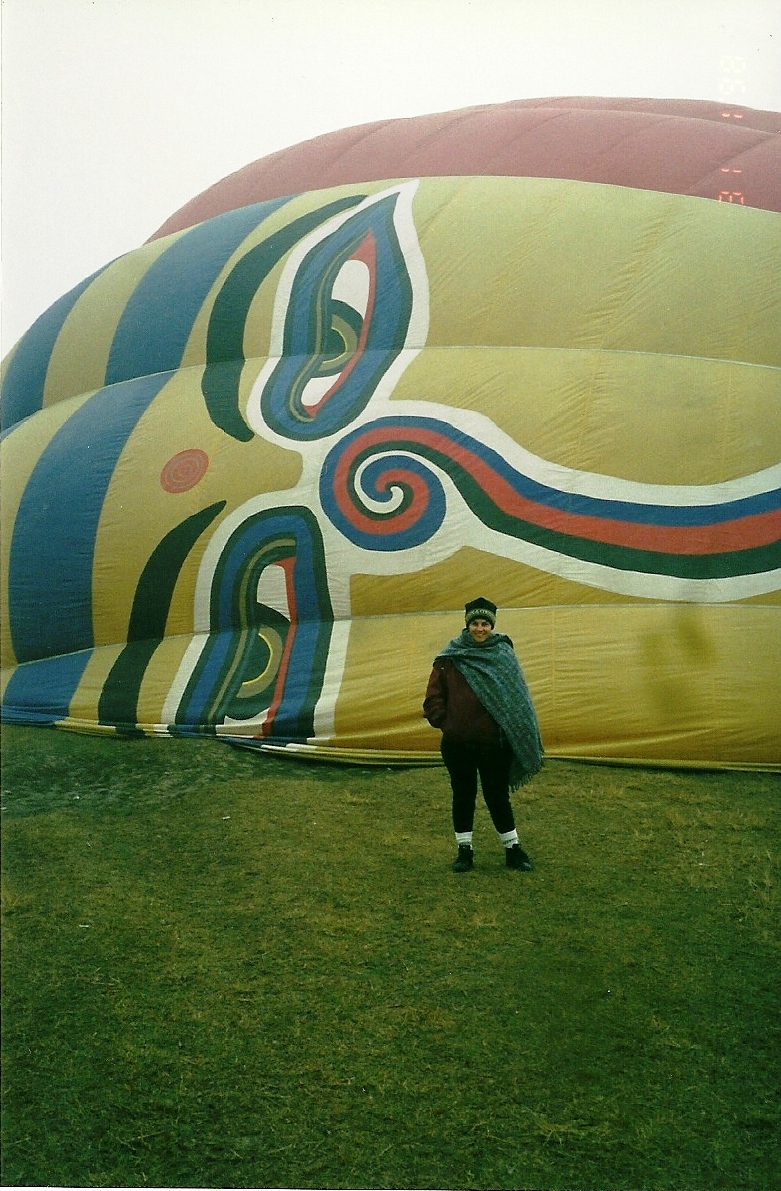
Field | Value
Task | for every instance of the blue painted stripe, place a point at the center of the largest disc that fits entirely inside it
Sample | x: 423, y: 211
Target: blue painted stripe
x: 40, y: 692
x: 218, y: 648
x: 158, y: 319
x: 53, y: 544
x: 310, y: 639
x: 244, y: 545
x: 25, y: 378
x: 570, y: 502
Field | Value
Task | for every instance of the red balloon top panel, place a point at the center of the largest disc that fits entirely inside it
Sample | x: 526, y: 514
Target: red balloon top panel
x: 693, y: 147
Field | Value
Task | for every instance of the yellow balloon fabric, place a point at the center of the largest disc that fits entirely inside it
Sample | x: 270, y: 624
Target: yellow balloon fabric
x: 253, y: 471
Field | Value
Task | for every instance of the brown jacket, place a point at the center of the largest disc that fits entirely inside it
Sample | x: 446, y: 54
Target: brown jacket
x: 451, y: 705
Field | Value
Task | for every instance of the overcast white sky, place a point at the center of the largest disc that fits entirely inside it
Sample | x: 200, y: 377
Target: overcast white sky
x: 116, y: 112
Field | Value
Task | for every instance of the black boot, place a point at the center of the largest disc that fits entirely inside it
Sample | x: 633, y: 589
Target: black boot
x: 515, y: 857
x: 465, y: 860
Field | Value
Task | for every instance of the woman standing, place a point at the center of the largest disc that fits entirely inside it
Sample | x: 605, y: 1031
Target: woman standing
x: 477, y: 696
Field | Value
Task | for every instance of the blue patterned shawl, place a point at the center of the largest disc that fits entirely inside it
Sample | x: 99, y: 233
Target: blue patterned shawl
x: 494, y: 674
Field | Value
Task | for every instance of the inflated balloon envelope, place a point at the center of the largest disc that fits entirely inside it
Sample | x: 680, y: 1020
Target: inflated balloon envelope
x: 253, y: 470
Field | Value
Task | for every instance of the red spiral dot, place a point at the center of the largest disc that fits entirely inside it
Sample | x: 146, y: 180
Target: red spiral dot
x: 183, y: 471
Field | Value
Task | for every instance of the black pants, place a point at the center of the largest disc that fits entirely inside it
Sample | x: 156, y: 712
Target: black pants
x: 464, y: 762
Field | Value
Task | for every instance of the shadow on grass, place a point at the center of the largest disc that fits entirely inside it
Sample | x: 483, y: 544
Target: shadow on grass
x: 230, y: 970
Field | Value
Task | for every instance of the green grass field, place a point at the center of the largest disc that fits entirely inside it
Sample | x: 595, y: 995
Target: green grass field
x: 228, y: 970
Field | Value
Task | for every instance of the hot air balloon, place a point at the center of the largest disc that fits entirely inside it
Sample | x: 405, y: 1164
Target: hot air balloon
x: 253, y: 469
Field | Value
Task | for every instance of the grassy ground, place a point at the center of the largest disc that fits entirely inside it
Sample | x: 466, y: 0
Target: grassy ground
x: 226, y: 970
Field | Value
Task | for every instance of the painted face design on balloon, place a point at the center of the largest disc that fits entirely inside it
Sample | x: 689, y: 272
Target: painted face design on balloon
x: 385, y: 481
x: 358, y: 419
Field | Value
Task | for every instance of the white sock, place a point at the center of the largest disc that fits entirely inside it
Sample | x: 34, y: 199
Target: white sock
x: 464, y: 837
x: 509, y: 838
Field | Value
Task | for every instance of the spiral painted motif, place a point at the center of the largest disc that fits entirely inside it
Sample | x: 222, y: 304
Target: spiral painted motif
x: 719, y: 539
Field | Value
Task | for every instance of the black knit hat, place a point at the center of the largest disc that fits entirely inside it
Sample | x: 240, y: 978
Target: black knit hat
x: 482, y: 608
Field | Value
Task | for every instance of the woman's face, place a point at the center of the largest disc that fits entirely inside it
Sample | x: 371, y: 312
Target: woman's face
x: 479, y: 629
